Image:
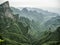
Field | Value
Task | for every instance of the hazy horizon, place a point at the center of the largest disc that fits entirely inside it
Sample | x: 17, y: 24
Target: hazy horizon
x: 50, y: 5
x: 34, y: 3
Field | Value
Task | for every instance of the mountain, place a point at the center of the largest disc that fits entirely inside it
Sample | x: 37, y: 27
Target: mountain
x: 29, y: 14
x: 27, y: 27
x: 55, y: 10
x: 38, y: 15
x: 34, y: 13
x: 50, y: 38
x: 15, y: 29
x: 11, y: 30
x: 5, y: 9
x: 53, y: 23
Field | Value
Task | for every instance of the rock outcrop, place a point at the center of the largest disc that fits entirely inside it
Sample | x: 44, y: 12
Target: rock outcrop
x: 5, y: 10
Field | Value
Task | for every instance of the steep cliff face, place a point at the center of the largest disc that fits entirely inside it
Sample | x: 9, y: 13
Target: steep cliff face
x: 5, y: 10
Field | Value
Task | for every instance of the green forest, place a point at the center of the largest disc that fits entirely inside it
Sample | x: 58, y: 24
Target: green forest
x: 19, y: 30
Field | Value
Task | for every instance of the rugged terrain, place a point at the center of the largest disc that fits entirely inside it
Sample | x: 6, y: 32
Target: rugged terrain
x: 24, y: 27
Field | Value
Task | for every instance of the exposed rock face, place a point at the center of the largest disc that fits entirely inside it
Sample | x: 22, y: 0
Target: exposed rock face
x: 5, y: 10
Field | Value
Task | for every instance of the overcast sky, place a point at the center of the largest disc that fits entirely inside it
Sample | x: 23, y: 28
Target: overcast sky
x: 34, y: 3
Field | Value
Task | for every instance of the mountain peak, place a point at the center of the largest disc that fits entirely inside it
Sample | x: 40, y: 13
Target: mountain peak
x: 25, y: 10
x: 5, y: 9
x: 5, y: 3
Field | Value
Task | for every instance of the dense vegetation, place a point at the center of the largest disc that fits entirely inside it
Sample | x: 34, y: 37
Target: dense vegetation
x: 19, y: 30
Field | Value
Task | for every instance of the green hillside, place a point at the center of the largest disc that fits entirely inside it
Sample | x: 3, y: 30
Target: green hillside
x: 12, y: 31
x: 20, y: 30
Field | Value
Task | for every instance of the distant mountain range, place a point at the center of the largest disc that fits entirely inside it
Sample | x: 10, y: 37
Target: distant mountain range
x: 53, y: 23
x: 54, y: 10
x: 49, y: 9
x: 45, y: 18
x: 34, y: 13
